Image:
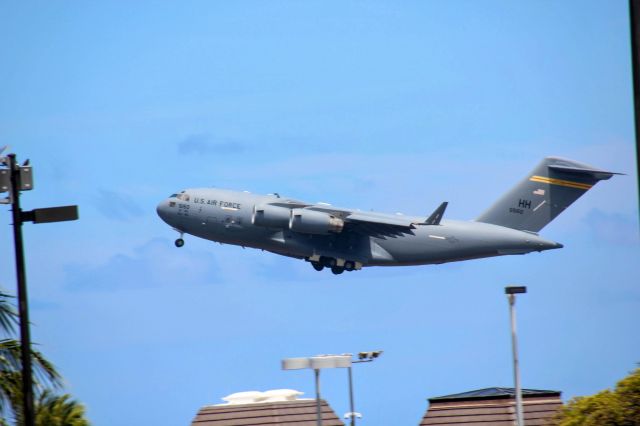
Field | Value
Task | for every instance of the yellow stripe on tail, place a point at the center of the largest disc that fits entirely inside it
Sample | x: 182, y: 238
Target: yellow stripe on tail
x: 560, y: 182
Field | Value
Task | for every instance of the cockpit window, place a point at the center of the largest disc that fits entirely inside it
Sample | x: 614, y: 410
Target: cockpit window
x: 173, y: 195
x: 182, y: 196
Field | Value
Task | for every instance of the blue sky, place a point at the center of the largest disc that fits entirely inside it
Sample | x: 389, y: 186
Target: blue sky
x: 393, y: 107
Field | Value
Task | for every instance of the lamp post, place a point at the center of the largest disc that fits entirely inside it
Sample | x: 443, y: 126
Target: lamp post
x: 13, y: 179
x: 511, y: 292
x: 362, y: 357
x: 317, y: 363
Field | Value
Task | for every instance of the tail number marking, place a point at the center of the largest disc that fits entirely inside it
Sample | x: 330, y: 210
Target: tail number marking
x: 522, y: 205
x: 525, y: 204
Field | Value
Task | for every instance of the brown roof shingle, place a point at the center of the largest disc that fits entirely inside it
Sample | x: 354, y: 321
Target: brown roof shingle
x: 483, y: 411
x: 300, y: 412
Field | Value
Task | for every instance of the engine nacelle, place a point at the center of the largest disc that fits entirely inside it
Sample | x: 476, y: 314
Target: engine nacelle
x: 270, y: 216
x: 313, y: 222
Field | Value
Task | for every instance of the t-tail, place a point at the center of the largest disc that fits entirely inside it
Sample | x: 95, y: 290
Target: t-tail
x: 543, y: 194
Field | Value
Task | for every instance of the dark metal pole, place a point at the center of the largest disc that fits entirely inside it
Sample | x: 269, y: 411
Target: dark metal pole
x: 634, y: 15
x: 352, y: 409
x: 23, y: 308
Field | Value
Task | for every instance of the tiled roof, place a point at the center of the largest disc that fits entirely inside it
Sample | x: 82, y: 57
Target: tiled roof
x: 491, y: 406
x: 300, y: 412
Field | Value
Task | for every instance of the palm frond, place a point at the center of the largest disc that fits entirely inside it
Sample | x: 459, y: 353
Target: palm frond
x: 10, y: 393
x: 8, y: 315
x: 11, y: 360
x: 59, y: 410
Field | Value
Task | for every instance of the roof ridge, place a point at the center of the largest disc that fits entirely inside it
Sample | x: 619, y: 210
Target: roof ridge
x: 494, y: 391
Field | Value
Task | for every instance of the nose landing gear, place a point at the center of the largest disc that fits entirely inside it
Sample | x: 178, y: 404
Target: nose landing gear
x: 179, y: 242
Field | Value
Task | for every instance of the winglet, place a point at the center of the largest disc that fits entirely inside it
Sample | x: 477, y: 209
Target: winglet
x: 436, y: 216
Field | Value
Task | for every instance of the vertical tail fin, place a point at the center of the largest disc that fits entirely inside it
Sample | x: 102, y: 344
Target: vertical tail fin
x: 543, y: 194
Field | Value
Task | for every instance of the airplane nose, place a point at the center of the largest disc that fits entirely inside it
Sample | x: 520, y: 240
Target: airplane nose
x: 161, y: 209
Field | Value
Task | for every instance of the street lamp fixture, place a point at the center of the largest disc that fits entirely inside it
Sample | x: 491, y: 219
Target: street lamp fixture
x: 317, y: 363
x: 362, y: 357
x: 368, y: 356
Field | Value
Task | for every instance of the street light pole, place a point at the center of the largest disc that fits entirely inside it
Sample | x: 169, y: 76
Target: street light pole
x: 352, y: 410
x: 23, y: 307
x: 318, y: 406
x: 13, y: 179
x: 511, y: 295
x: 362, y: 357
x: 634, y: 17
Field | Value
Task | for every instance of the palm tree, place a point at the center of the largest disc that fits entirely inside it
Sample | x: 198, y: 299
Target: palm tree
x: 9, y: 365
x: 59, y: 410
x: 45, y: 373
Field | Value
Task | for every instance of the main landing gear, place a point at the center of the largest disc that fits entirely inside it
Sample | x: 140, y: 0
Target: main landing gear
x: 331, y: 263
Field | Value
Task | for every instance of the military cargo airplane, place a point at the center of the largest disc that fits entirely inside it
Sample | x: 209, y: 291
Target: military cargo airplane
x: 346, y: 239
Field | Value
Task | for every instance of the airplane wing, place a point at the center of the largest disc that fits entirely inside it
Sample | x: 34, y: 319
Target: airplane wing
x: 379, y: 225
x: 290, y: 204
x: 370, y: 223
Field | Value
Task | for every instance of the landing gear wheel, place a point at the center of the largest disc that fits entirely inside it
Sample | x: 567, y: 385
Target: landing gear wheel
x: 337, y: 270
x: 179, y: 242
x: 349, y: 266
x: 317, y: 266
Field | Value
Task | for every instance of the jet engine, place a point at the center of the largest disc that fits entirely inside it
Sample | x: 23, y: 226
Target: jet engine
x: 313, y: 222
x: 270, y: 216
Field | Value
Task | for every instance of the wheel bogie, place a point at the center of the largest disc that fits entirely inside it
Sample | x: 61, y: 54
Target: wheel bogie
x: 337, y: 266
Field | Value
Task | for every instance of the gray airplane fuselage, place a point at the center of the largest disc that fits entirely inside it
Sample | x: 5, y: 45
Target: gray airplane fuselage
x: 226, y: 216
x: 347, y: 239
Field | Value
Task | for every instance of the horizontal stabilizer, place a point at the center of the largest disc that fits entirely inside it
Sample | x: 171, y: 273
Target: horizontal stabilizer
x: 436, y: 216
x: 596, y: 174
